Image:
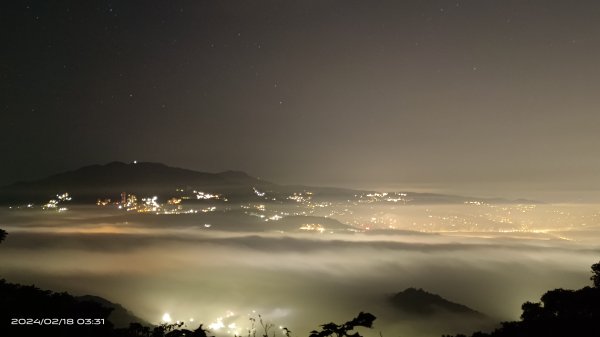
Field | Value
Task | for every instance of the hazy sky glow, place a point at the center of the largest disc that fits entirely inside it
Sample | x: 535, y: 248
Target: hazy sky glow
x: 495, y: 98
x: 484, y: 97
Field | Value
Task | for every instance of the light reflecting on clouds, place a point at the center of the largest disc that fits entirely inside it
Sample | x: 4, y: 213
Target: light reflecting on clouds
x: 294, y: 280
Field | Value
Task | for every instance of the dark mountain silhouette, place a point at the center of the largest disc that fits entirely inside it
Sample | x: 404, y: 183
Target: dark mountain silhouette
x: 22, y: 302
x: 89, y: 183
x: 119, y: 316
x: 30, y: 311
x: 420, y: 302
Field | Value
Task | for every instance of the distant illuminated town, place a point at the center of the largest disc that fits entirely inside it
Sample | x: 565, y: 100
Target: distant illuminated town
x: 362, y: 212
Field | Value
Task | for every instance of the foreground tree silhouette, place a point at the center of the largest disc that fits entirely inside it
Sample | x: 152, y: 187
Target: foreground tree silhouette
x: 2, y: 234
x: 596, y: 277
x: 560, y: 313
x: 332, y: 329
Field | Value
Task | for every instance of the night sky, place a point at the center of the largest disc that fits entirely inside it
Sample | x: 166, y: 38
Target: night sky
x: 486, y: 97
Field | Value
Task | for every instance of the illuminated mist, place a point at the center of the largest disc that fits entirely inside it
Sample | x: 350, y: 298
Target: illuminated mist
x: 176, y: 272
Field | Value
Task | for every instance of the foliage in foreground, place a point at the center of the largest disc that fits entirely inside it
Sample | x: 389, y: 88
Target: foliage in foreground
x: 332, y: 329
x: 560, y: 313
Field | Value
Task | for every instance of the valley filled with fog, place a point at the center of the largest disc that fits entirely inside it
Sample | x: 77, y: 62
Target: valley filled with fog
x: 226, y: 265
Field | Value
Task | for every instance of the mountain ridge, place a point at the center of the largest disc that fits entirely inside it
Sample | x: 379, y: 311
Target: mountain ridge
x: 119, y: 316
x: 420, y: 302
x: 91, y: 182
x: 109, y: 180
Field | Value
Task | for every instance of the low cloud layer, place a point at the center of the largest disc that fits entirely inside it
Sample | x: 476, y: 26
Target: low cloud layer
x: 294, y: 280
